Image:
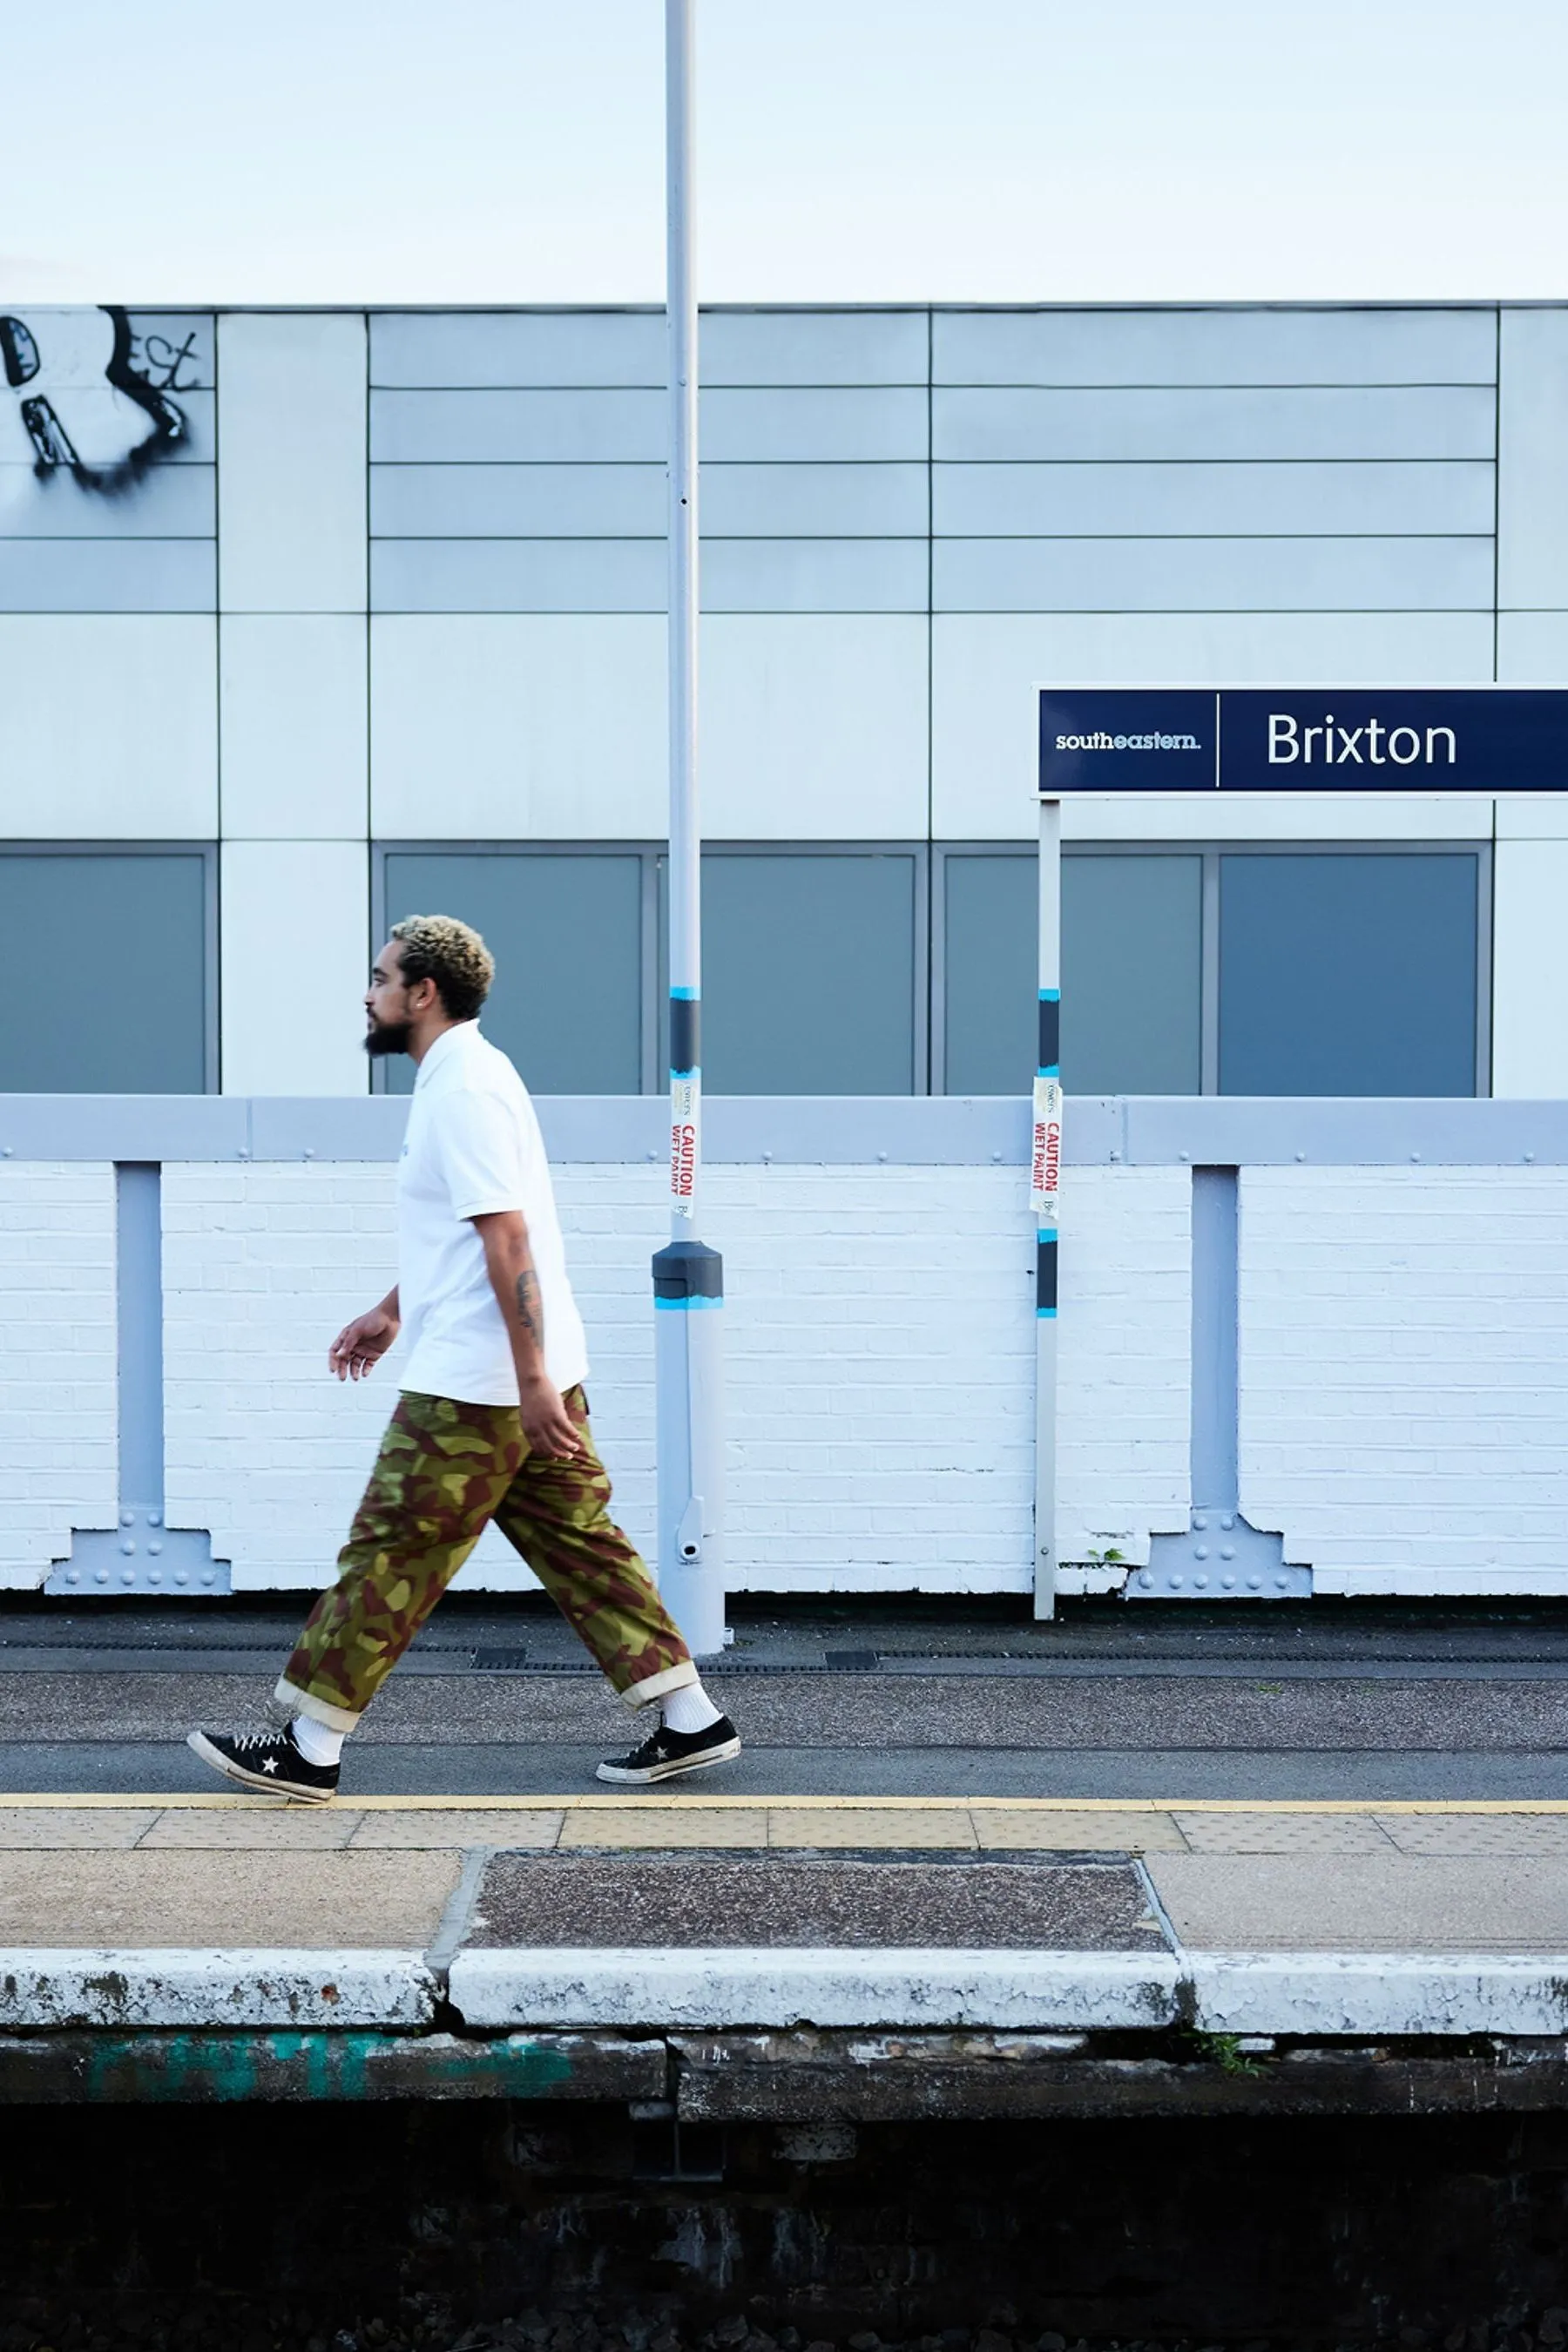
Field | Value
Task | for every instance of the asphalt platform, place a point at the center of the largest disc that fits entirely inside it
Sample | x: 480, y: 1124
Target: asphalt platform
x: 917, y: 1698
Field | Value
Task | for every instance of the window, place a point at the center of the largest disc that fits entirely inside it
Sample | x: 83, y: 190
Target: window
x: 567, y: 933
x: 1348, y: 974
x: 1131, y: 972
x: 1185, y: 970
x: 116, y: 949
x: 813, y: 978
x: 1295, y: 971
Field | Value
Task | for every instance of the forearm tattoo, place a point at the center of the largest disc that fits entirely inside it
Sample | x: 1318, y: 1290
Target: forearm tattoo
x: 530, y: 1306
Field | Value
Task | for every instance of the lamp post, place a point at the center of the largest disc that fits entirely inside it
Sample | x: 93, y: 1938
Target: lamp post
x: 688, y: 1277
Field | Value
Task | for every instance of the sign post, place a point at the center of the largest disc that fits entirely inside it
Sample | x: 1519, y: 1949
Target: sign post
x: 1045, y: 1185
x: 1198, y: 741
x: 688, y: 1277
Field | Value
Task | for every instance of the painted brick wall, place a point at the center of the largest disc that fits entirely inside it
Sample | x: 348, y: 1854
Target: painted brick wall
x: 1124, y: 1403
x: 58, y: 1346
x: 1404, y: 1375
x: 879, y: 1336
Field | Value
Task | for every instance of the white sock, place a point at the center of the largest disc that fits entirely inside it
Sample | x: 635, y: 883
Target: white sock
x: 314, y: 1741
x: 691, y: 1710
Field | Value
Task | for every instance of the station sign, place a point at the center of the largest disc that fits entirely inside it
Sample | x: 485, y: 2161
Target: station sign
x: 1350, y: 738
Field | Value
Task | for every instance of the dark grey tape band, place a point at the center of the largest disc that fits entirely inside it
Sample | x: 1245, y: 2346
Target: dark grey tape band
x: 1050, y: 1033
x: 1045, y: 1276
x: 687, y: 1270
x: 685, y: 1036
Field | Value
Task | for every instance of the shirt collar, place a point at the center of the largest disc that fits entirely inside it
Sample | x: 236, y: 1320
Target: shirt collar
x: 449, y: 1043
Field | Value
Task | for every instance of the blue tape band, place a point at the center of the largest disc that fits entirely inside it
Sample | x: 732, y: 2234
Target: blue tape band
x: 678, y: 1306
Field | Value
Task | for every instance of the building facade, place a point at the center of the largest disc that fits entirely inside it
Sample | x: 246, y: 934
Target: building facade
x: 379, y: 626
x: 311, y: 620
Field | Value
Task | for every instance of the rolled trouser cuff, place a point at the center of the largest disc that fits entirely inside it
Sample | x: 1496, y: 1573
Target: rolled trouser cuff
x: 289, y: 1700
x: 670, y: 1678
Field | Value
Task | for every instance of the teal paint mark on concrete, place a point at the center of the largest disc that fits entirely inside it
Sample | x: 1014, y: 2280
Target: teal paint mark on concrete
x: 232, y: 2068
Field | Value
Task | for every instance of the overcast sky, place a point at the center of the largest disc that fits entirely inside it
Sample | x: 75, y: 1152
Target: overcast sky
x: 511, y: 151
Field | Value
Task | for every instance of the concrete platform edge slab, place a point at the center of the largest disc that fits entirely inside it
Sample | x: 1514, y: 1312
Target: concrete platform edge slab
x: 633, y: 1986
x: 43, y: 1988
x: 1402, y: 1993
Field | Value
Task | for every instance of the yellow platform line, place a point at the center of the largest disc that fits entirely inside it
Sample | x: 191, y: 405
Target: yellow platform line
x: 95, y: 1801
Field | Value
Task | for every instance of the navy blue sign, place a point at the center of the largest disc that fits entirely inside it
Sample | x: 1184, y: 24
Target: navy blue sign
x: 1353, y: 738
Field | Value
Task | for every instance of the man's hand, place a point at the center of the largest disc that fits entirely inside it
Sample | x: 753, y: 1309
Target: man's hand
x: 546, y: 1424
x: 361, y: 1345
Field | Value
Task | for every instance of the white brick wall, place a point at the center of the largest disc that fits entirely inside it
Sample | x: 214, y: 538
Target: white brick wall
x: 1404, y: 1375
x: 57, y: 1407
x: 881, y: 1345
x: 1124, y: 1406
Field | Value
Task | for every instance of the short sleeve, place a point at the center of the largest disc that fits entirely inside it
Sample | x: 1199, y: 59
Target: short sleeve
x: 480, y: 1154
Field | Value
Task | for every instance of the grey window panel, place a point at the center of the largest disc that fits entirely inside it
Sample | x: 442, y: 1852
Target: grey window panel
x: 175, y: 349
x: 1347, y: 975
x: 1219, y: 346
x: 517, y: 575
x: 518, y: 501
x: 809, y: 974
x: 875, y: 422
x: 108, y: 576
x: 772, y: 347
x: 814, y: 575
x: 499, y: 348
x: 989, y: 964
x: 1155, y: 501
x: 518, y: 427
x: 118, y: 948
x: 804, y: 501
x: 1210, y: 575
x: 170, y: 502
x: 566, y: 932
x: 1131, y: 975
x: 1139, y: 424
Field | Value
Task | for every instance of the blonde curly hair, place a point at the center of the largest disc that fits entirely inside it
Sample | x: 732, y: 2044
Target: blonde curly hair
x: 441, y: 948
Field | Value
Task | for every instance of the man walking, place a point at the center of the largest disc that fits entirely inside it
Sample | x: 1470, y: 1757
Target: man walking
x: 491, y: 1423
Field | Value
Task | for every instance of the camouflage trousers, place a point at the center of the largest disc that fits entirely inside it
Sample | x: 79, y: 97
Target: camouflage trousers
x: 444, y: 1471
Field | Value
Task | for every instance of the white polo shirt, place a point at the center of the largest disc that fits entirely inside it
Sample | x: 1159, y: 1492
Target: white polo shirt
x: 473, y: 1146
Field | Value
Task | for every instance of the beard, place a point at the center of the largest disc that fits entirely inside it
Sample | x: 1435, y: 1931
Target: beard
x: 388, y: 1037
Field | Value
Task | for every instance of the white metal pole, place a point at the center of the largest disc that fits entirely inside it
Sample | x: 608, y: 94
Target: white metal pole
x: 1045, y: 1186
x: 688, y: 1277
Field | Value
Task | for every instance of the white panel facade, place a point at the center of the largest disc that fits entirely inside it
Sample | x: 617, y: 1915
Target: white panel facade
x: 1403, y: 1399
x: 294, y: 726
x: 814, y: 727
x: 592, y: 426
x: 1209, y: 498
x: 481, y: 349
x: 1125, y: 1391
x: 1168, y: 423
x: 296, y: 923
x: 1212, y: 576
x: 1220, y: 346
x: 984, y: 750
x: 822, y: 347
x: 107, y: 575
x: 1533, y: 649
x: 505, y: 727
x: 1532, y: 460
x: 1530, y: 961
x: 1279, y: 816
x: 291, y: 498
x: 111, y: 728
x: 58, y: 1413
